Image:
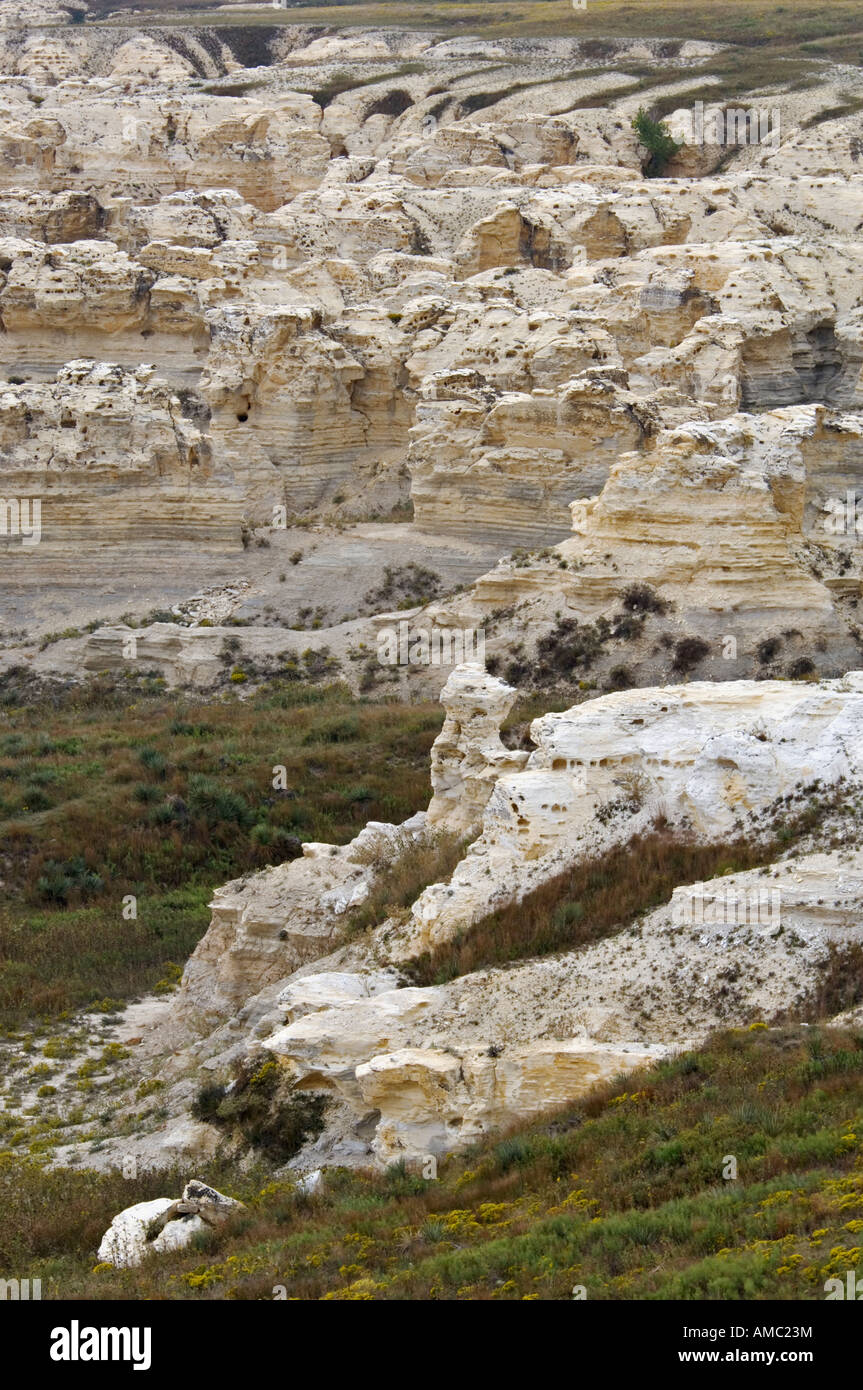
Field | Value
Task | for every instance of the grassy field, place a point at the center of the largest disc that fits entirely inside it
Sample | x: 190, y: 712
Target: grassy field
x: 104, y: 795
x: 729, y: 21
x: 625, y: 1194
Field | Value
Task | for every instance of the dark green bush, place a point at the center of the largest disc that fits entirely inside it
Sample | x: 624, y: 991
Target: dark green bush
x: 61, y: 881
x: 657, y: 141
x: 255, y: 1105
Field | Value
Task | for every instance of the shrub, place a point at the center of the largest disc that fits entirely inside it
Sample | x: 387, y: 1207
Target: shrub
x: 153, y: 761
x: 404, y: 587
x: 569, y: 647
x: 61, y: 881
x: 688, y: 652
x: 620, y: 678
x: 657, y: 141
x: 640, y: 598
x: 215, y: 803
x: 206, y: 1104
x: 801, y: 668
x: 769, y: 649
x: 256, y: 1106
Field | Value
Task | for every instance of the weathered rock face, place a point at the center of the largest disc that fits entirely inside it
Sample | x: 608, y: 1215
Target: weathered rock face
x: 101, y: 303
x: 497, y: 1045
x: 181, y: 655
x: 708, y: 757
x: 512, y: 469
x: 112, y: 456
x: 266, y: 926
x: 468, y: 756
x: 154, y: 145
x: 739, y: 530
x: 423, y: 284
x: 284, y: 415
x: 431, y: 1101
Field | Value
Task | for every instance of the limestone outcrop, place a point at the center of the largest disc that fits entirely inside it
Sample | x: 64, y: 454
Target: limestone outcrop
x: 161, y: 1225
x: 460, y: 1060
x: 413, y: 1071
x: 265, y: 927
x: 708, y: 758
x: 112, y: 456
x: 733, y: 535
x: 468, y: 756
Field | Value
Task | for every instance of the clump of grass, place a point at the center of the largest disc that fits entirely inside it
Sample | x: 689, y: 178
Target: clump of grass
x: 71, y: 879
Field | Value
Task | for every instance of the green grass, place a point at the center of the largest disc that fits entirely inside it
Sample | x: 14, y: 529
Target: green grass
x: 164, y: 800
x: 622, y: 1193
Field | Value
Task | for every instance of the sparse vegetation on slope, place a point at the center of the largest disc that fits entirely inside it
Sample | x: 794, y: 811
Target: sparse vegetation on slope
x: 600, y: 896
x: 626, y: 1195
x: 828, y: 28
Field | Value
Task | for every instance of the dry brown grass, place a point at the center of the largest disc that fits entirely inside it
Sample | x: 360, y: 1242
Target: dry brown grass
x: 585, y: 903
x: 600, y: 896
x: 405, y: 868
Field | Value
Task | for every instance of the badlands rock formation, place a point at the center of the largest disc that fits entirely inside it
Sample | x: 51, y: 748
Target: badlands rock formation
x: 442, y: 284
x: 738, y: 527
x: 264, y: 280
x: 468, y: 756
x: 285, y: 916
x: 113, y: 456
x: 710, y: 758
